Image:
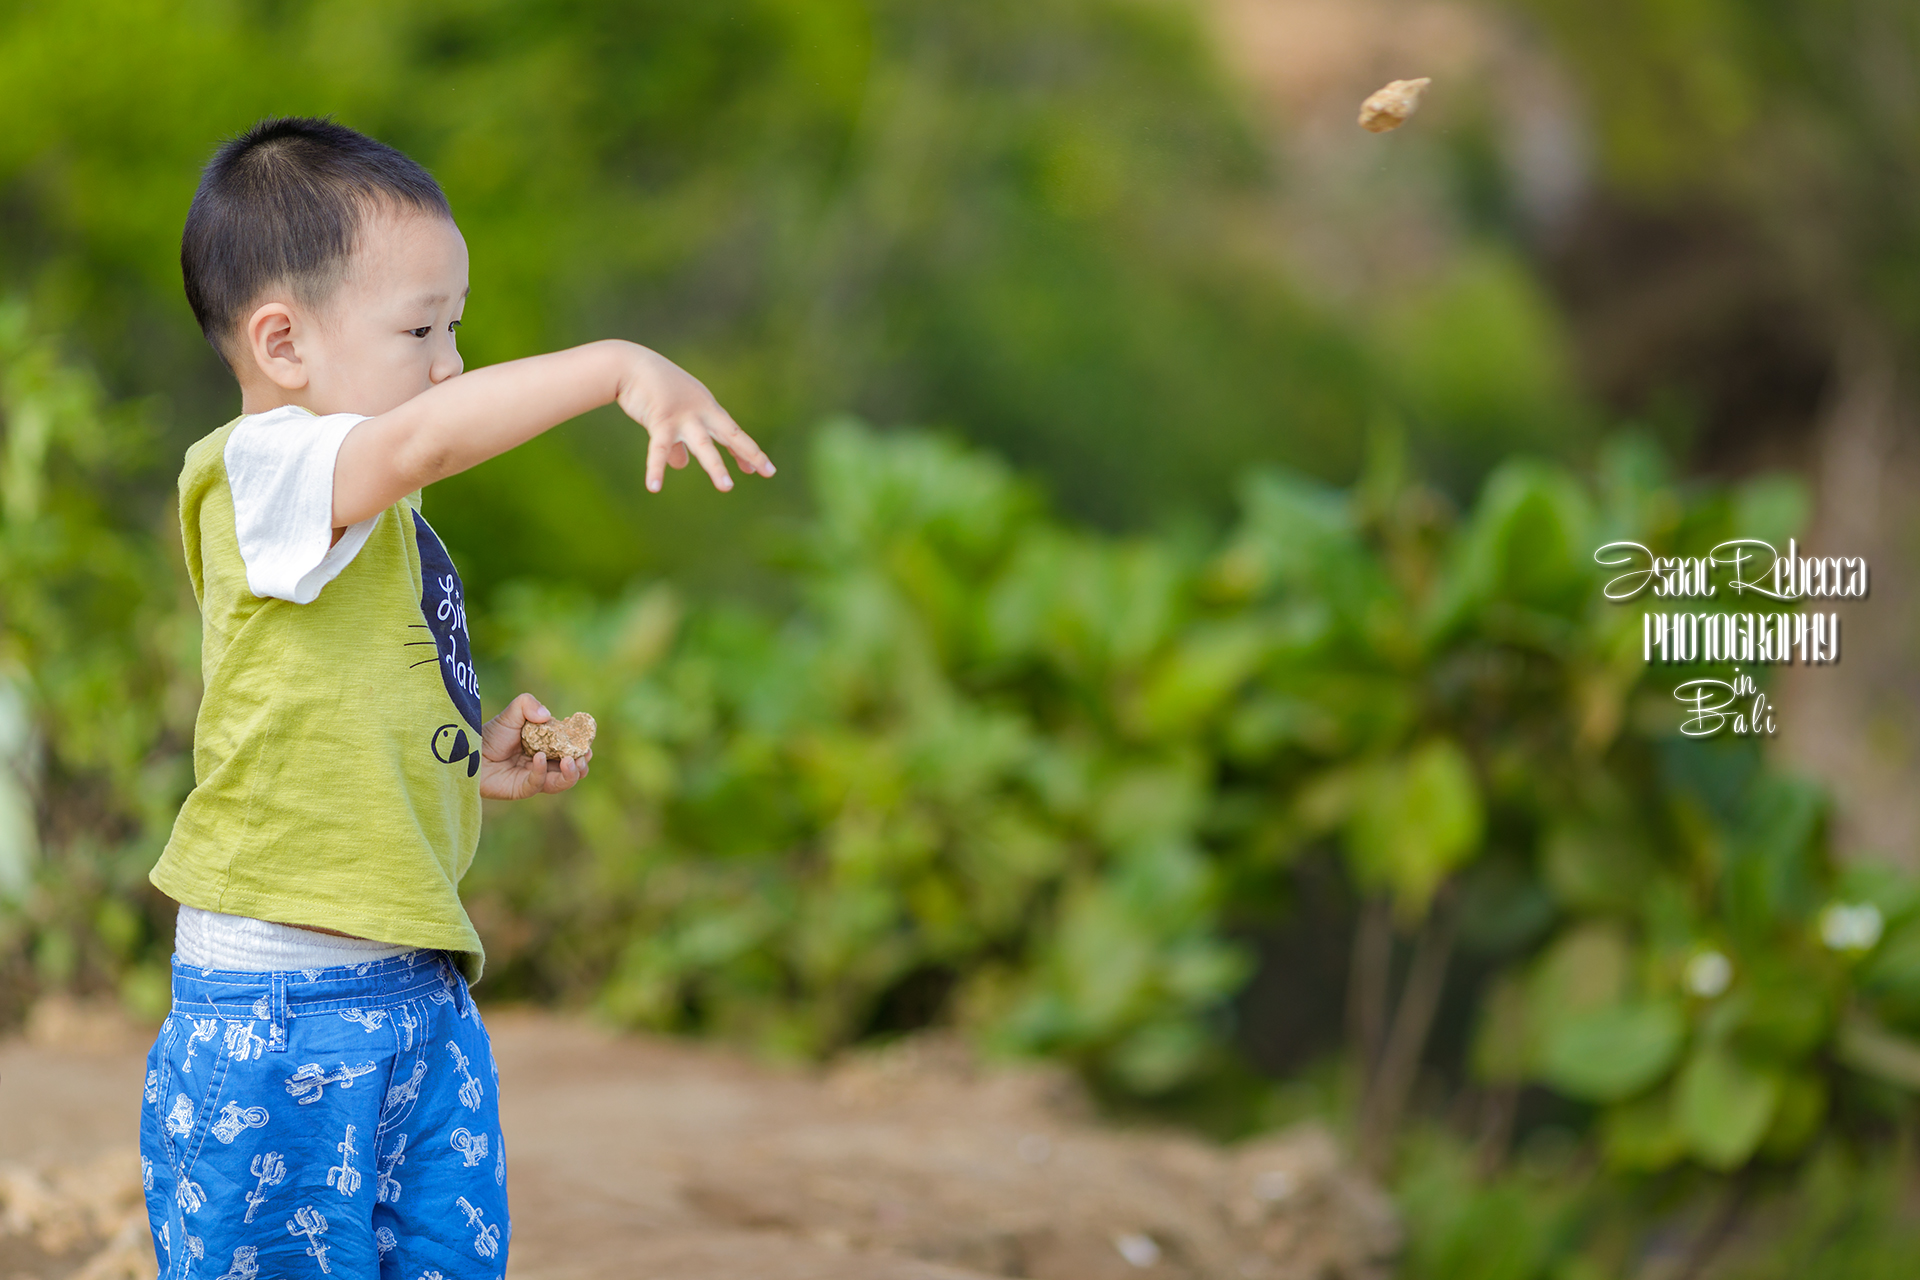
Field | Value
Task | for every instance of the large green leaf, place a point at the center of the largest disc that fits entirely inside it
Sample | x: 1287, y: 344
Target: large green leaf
x: 1785, y: 1008
x: 1528, y: 545
x: 1592, y: 867
x: 1298, y: 536
x: 1724, y: 1105
x: 1585, y: 968
x: 1891, y: 974
x: 1642, y: 1135
x: 1803, y: 1105
x: 1775, y: 857
x: 1610, y: 1053
x: 1417, y: 819
x: 1196, y: 675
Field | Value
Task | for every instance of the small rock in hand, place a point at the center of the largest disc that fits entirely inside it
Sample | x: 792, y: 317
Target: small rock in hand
x: 570, y: 737
x: 1390, y: 107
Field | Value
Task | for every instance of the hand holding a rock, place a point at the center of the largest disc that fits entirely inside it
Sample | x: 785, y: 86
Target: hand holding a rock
x: 525, y: 752
x: 570, y: 739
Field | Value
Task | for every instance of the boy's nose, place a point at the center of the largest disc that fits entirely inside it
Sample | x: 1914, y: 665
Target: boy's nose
x: 446, y: 366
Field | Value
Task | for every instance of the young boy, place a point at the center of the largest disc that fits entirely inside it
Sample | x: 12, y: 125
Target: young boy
x: 322, y: 1098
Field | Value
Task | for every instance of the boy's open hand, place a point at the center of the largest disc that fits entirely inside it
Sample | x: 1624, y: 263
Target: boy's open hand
x: 682, y: 417
x: 507, y: 772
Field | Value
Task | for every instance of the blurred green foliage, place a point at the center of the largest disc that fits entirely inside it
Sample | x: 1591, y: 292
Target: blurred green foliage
x: 1039, y: 779
x: 1798, y: 113
x: 1005, y: 772
x: 1045, y: 224
x: 1839, y: 1214
x: 994, y: 769
x: 1051, y: 772
x: 100, y: 646
x: 959, y: 757
x: 1048, y: 227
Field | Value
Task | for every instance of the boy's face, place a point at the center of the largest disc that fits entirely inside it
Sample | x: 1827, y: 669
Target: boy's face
x: 387, y: 332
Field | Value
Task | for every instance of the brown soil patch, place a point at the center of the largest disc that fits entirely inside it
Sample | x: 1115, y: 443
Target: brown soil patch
x: 636, y: 1156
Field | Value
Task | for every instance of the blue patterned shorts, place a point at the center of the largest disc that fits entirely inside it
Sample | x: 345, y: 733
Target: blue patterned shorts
x: 336, y: 1122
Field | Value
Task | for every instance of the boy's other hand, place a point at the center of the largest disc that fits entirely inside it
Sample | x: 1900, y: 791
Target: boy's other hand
x: 682, y: 418
x: 507, y: 772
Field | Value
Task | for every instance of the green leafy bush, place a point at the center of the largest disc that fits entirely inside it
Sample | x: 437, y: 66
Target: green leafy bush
x: 1032, y: 779
x: 995, y: 770
x: 99, y: 650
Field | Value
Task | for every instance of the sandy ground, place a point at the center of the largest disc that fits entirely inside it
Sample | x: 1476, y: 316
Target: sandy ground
x: 634, y: 1156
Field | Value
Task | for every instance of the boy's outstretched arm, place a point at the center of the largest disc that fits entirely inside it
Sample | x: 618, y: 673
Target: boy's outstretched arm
x: 473, y: 416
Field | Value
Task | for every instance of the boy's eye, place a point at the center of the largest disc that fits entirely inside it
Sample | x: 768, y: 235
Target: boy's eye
x: 422, y: 331
x: 452, y: 326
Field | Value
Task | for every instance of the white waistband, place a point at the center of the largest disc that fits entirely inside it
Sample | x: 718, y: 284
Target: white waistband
x: 210, y: 940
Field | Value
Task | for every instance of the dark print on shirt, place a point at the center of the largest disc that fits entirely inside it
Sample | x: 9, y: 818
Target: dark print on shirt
x: 444, y: 605
x: 449, y: 746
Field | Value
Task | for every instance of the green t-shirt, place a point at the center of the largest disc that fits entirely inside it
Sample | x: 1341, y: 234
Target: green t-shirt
x: 337, y: 746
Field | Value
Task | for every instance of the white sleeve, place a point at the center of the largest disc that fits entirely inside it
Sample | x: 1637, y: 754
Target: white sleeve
x: 280, y: 468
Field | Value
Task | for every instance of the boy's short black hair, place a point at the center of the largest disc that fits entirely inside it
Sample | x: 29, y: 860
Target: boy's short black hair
x: 282, y: 204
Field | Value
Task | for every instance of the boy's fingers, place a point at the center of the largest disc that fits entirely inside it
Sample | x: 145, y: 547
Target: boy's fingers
x: 677, y: 456
x: 500, y: 736
x: 657, y: 450
x: 702, y: 447
x: 750, y: 456
x: 751, y: 461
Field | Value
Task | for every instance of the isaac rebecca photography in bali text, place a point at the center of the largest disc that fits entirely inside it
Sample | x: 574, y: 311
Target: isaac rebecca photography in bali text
x: 1748, y: 567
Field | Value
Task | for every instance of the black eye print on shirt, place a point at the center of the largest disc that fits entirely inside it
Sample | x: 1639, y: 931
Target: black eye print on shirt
x: 454, y: 750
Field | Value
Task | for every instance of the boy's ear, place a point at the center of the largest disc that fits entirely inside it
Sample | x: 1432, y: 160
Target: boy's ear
x: 270, y: 337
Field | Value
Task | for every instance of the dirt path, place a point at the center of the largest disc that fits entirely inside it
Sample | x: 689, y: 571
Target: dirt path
x: 633, y: 1156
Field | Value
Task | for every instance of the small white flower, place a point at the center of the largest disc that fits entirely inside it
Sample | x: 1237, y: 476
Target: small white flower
x: 1138, y: 1249
x: 1709, y: 974
x: 1851, y: 927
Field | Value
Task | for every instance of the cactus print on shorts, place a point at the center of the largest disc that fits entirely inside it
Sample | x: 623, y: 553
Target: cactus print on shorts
x: 337, y: 1123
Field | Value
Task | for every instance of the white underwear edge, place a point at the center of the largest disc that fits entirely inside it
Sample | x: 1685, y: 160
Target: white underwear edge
x: 211, y: 940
